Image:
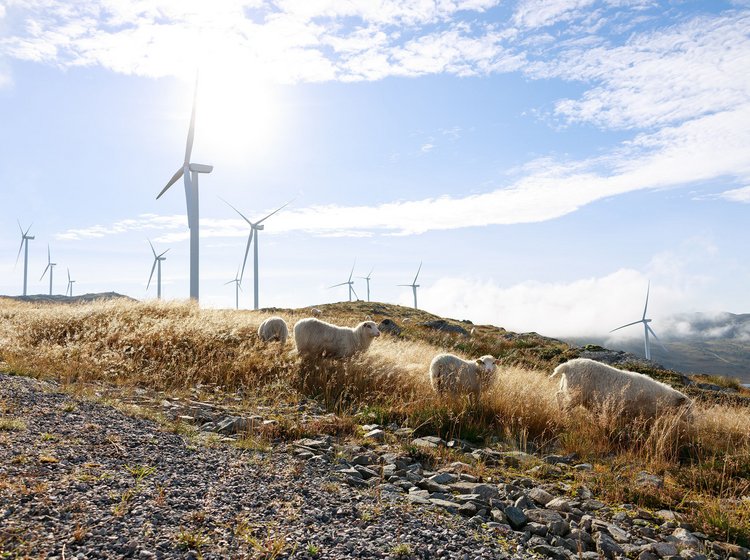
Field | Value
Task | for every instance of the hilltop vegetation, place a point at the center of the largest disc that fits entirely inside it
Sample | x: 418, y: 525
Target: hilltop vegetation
x: 177, y: 347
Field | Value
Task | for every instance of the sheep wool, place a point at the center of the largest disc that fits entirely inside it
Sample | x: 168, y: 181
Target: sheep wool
x: 590, y: 383
x: 453, y: 376
x: 314, y: 337
x: 273, y: 328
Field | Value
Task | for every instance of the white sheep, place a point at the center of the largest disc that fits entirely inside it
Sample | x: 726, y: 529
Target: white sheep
x: 453, y: 376
x: 591, y: 383
x: 314, y: 337
x: 273, y: 328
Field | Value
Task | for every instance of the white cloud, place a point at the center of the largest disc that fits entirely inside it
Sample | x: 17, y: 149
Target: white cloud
x: 143, y: 222
x: 737, y: 195
x: 541, y: 13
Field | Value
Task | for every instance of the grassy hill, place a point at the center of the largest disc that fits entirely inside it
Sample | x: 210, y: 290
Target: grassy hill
x: 213, y: 355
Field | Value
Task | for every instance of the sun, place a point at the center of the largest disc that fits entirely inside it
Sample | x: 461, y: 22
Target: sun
x: 237, y: 114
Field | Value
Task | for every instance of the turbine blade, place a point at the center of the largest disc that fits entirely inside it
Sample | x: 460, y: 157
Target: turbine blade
x: 240, y: 213
x: 418, y: 270
x: 49, y: 256
x: 150, y: 276
x: 164, y: 253
x: 68, y: 275
x: 172, y: 181
x: 28, y: 229
x: 20, y: 248
x: 628, y: 325
x: 247, y: 250
x: 191, y: 130
x: 352, y: 271
x: 45, y: 272
x: 656, y: 337
x: 272, y: 213
x: 152, y: 247
x: 355, y: 293
x: 336, y: 285
x: 647, y: 292
x: 230, y: 282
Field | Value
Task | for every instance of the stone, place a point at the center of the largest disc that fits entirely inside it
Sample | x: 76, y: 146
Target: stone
x: 468, y: 509
x: 365, y: 472
x: 553, y: 520
x: 606, y: 546
x: 365, y: 459
x: 432, y: 486
x: 444, y: 326
x: 498, y: 516
x: 415, y: 499
x: 540, y: 496
x: 558, y: 504
x: 583, y: 467
x: 647, y: 555
x: 389, y: 326
x: 536, y: 529
x: 375, y: 435
x: 685, y: 539
x: 486, y: 491
x: 516, y: 517
x: 445, y: 504
x: 645, y: 479
x: 461, y: 445
x: 664, y: 549
x: 690, y: 554
x: 555, y: 552
x: 726, y: 550
x: 430, y: 442
x: 322, y: 443
x: 517, y: 458
x: 444, y: 478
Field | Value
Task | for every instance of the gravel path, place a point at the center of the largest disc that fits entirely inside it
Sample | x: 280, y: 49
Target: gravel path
x: 82, y: 480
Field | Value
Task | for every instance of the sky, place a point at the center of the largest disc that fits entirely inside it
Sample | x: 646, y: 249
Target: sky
x: 543, y: 159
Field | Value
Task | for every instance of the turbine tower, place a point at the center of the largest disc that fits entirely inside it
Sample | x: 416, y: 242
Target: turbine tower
x: 367, y: 279
x: 237, y: 288
x: 70, y: 286
x: 646, y: 328
x: 50, y: 267
x: 157, y: 265
x: 414, y: 285
x: 254, y: 227
x: 25, y: 237
x: 349, y: 283
x: 190, y: 172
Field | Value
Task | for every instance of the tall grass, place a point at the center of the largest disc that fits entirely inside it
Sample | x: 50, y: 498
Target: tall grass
x: 705, y: 458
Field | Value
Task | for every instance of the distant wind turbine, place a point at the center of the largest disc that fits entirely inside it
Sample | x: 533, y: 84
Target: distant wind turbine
x: 646, y: 327
x: 25, y: 237
x: 367, y: 279
x: 50, y: 267
x: 237, y: 288
x: 349, y: 283
x: 157, y: 265
x: 414, y: 285
x: 254, y: 227
x: 69, y: 289
x: 190, y: 172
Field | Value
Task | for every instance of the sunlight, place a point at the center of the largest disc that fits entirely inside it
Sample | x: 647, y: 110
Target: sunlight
x: 238, y: 115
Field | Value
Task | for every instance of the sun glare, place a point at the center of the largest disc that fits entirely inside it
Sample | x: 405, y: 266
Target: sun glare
x: 237, y: 114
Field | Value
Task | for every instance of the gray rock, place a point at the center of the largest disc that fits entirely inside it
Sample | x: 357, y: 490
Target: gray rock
x: 498, y: 516
x: 685, y: 539
x: 443, y: 326
x: 444, y: 478
x: 540, y: 496
x: 647, y: 480
x: 606, y: 546
x: 664, y: 549
x: 321, y: 443
x: 647, y: 555
x: 486, y: 491
x: 389, y: 326
x: 584, y: 467
x: 432, y: 486
x: 689, y: 554
x: 445, y: 504
x: 559, y: 504
x: 414, y: 499
x: 555, y: 552
x: 365, y: 459
x: 553, y: 520
x: 536, y: 529
x: 468, y: 509
x: 517, y: 458
x: 516, y: 517
x: 428, y: 442
x: 375, y: 435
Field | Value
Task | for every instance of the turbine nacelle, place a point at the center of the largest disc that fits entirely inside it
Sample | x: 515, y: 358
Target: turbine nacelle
x: 200, y: 168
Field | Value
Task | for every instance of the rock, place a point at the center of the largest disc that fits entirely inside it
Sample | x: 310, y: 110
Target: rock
x: 555, y: 459
x: 556, y: 552
x: 444, y: 478
x: 541, y: 497
x: 365, y: 459
x: 647, y: 480
x: 685, y: 539
x: 553, y: 520
x: 433, y: 486
x: 430, y: 442
x: 443, y: 326
x: 516, y: 517
x: 583, y: 467
x: 536, y: 529
x: 668, y: 515
x: 664, y: 549
x: 322, y: 443
x: 461, y: 445
x: 498, y: 516
x: 415, y: 499
x: 445, y: 504
x: 486, y: 491
x: 726, y: 550
x: 517, y: 458
x: 375, y: 435
x: 467, y: 510
x: 646, y: 555
x: 689, y: 554
x: 606, y: 546
x: 559, y: 504
x: 389, y: 326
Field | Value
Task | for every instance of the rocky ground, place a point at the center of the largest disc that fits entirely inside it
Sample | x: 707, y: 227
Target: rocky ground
x: 79, y: 479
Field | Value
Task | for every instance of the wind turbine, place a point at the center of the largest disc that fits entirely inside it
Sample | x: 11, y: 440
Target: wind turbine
x: 50, y: 267
x: 254, y: 227
x: 190, y: 172
x: 367, y: 279
x: 646, y: 327
x: 25, y: 237
x: 414, y: 285
x: 70, y: 286
x: 157, y: 266
x: 237, y: 281
x: 349, y: 283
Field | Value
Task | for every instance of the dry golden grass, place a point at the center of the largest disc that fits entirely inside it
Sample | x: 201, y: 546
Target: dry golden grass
x: 705, y: 458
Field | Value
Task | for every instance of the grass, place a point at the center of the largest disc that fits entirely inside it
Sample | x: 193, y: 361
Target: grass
x: 177, y: 347
x: 11, y: 424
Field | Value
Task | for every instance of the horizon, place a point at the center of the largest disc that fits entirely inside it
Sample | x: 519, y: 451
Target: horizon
x: 544, y: 160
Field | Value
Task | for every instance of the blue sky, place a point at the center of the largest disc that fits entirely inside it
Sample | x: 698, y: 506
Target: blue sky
x: 544, y: 159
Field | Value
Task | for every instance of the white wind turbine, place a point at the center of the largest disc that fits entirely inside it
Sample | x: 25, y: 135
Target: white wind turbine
x: 254, y: 227
x: 25, y: 237
x: 237, y: 288
x: 414, y: 285
x: 157, y: 265
x: 69, y: 289
x: 50, y: 266
x: 349, y: 283
x: 367, y: 279
x: 190, y: 172
x: 646, y: 327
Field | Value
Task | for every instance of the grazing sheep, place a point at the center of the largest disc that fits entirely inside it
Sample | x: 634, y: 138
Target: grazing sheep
x: 591, y: 383
x: 273, y: 328
x: 316, y: 312
x: 451, y: 375
x: 314, y: 337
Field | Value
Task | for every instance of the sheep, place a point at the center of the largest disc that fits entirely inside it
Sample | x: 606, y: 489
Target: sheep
x: 453, y: 376
x: 591, y: 383
x: 314, y: 337
x: 273, y: 328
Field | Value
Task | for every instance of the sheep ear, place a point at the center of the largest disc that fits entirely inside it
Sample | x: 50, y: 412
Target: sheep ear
x: 497, y: 360
x: 480, y: 362
x: 368, y: 318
